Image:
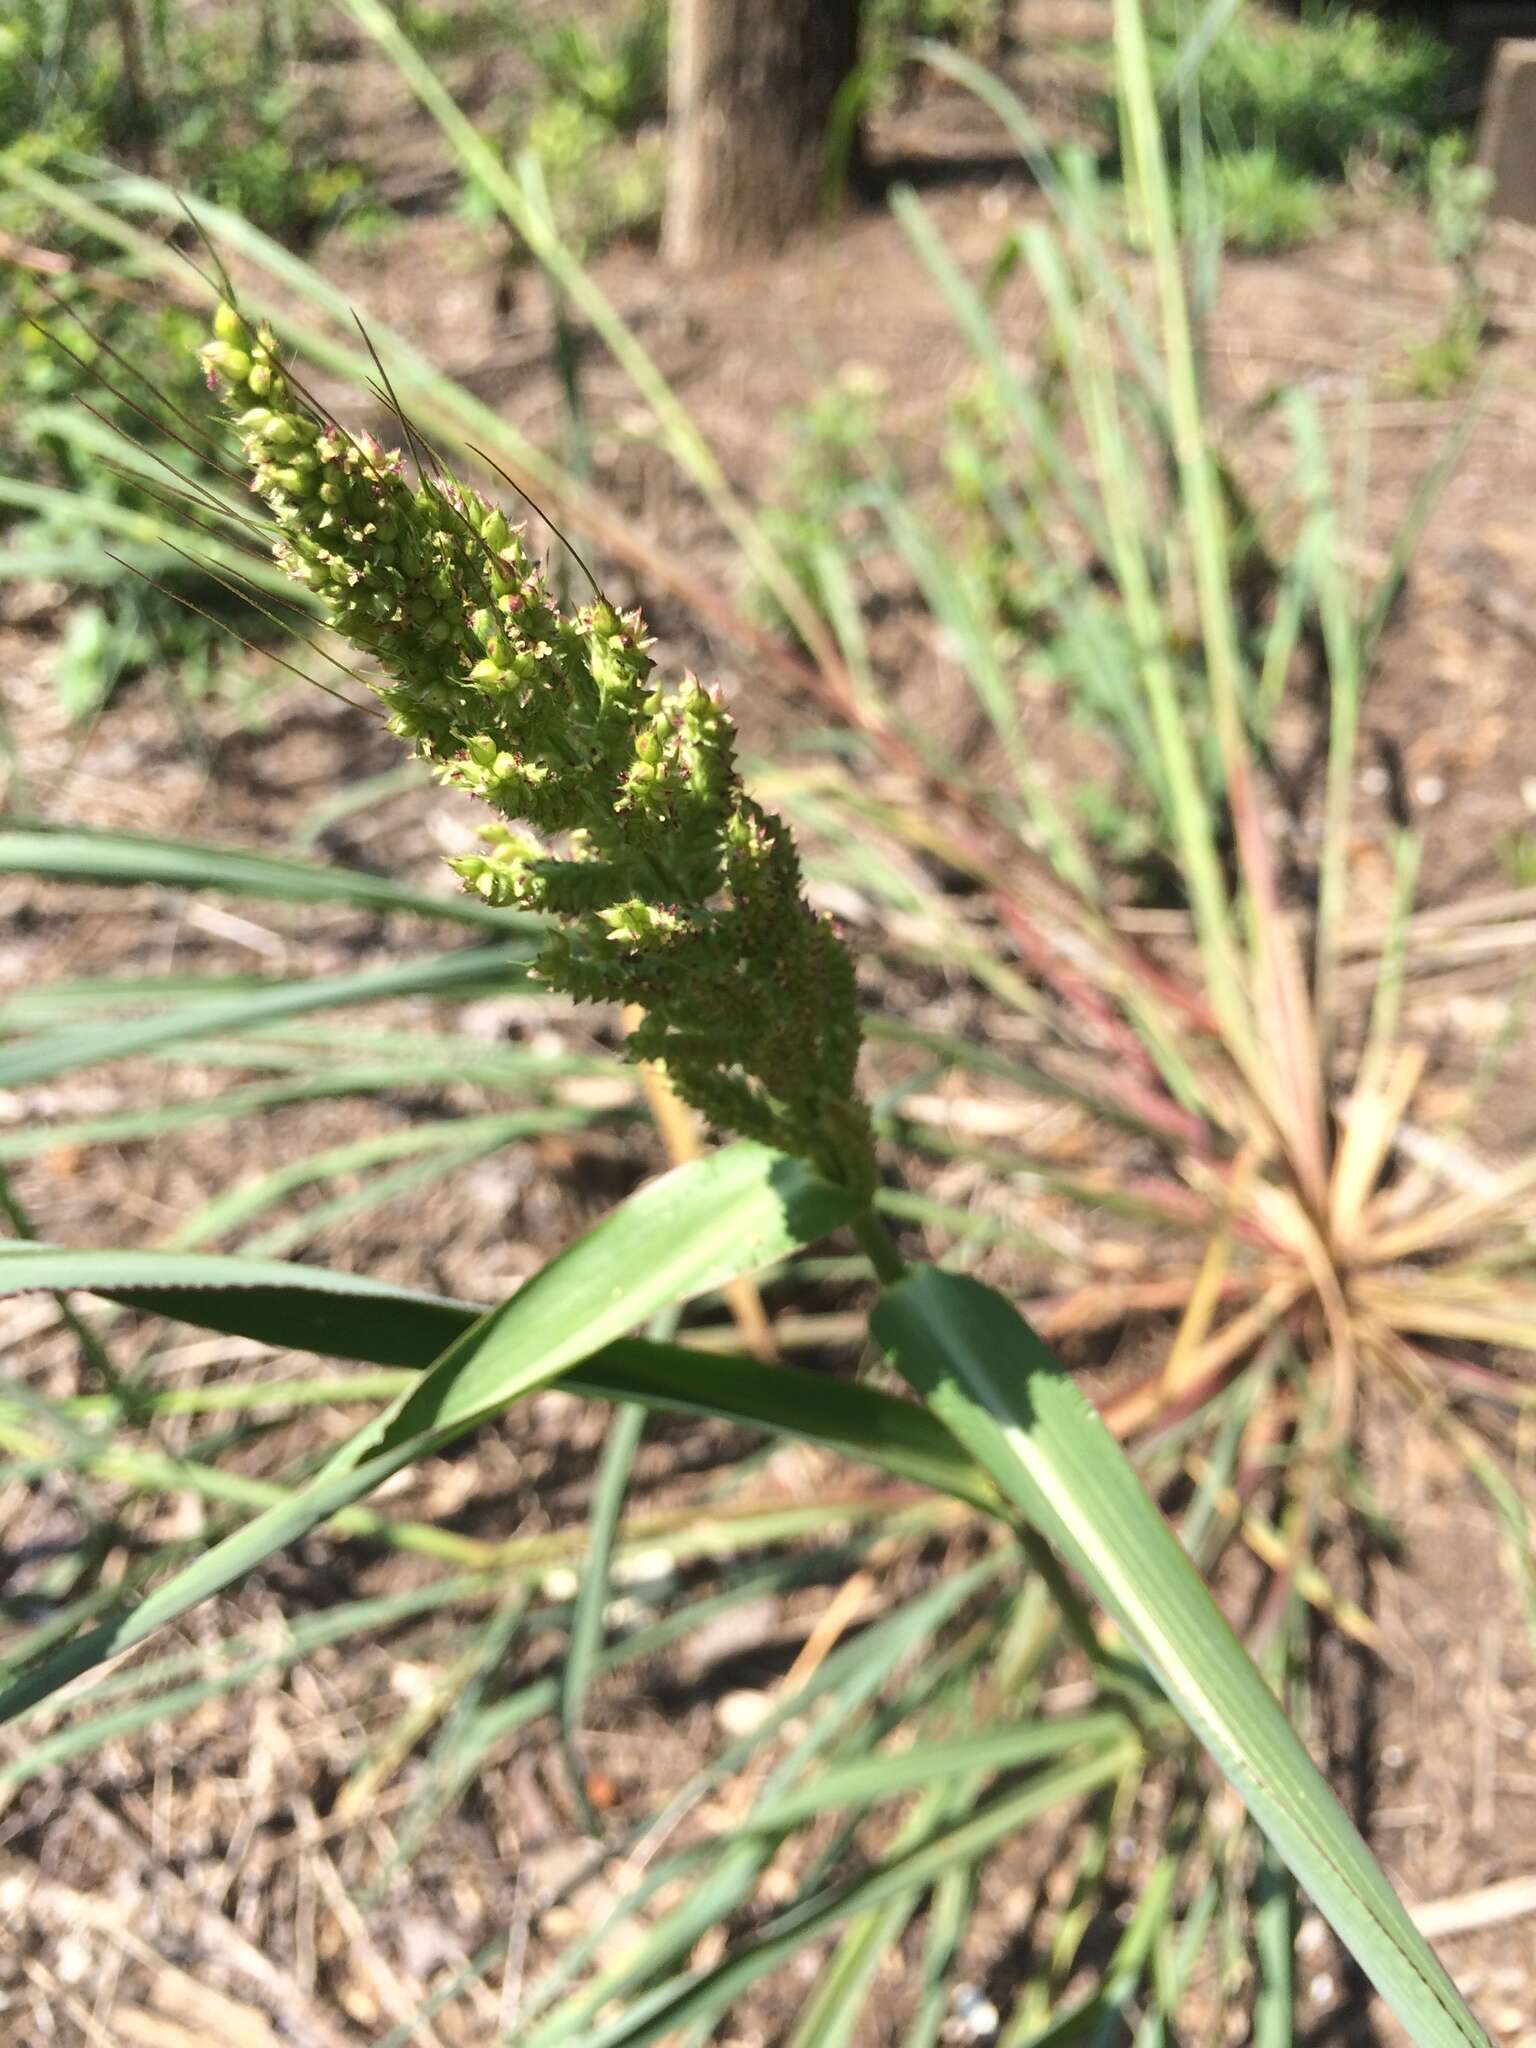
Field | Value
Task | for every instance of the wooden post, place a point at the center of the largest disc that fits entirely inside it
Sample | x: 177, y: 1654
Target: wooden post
x: 751, y: 90
x: 1506, y: 135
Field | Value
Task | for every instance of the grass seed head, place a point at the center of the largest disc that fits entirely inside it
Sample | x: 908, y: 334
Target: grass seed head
x: 672, y: 889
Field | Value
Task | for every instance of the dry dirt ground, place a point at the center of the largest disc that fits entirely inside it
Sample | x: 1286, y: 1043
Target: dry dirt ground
x: 194, y: 1886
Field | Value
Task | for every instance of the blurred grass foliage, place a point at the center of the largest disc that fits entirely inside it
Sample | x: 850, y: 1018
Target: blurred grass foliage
x: 213, y: 99
x: 1457, y: 192
x: 1331, y: 84
x: 593, y: 124
x: 1286, y: 105
x: 1264, y: 204
x: 215, y: 102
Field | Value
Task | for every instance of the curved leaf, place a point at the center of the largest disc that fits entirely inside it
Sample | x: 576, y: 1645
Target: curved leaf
x: 685, y: 1234
x: 987, y: 1375
x: 311, y: 1308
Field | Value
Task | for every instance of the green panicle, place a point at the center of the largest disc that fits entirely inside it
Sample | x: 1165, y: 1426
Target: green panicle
x: 673, y: 889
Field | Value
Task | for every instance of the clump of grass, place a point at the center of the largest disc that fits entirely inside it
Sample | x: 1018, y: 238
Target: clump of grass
x: 1320, y: 91
x: 1285, y: 107
x: 217, y: 104
x: 1457, y: 192
x: 605, y: 184
x: 1262, y: 204
x: 620, y: 78
x: 1447, y: 362
x: 594, y: 126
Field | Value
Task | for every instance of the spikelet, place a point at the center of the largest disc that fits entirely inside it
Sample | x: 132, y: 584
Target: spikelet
x: 620, y: 810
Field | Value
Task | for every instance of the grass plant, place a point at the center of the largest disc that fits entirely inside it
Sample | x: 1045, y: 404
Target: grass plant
x: 215, y: 103
x: 1321, y: 89
x: 593, y: 128
x: 1269, y: 111
x: 1261, y: 204
x: 1458, y: 193
x: 1268, y: 1222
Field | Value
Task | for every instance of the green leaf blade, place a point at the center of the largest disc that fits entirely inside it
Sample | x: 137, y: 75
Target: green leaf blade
x: 344, y: 1315
x: 688, y: 1233
x: 996, y: 1386
x: 125, y: 859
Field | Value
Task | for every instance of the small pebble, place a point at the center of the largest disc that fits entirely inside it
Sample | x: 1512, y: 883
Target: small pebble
x: 560, y: 1583
x: 1375, y: 780
x: 973, y: 2015
x: 72, y: 1961
x: 1321, y: 1988
x: 626, y: 1612
x: 742, y: 1713
x: 1310, y: 1935
x: 410, y: 1681
x: 602, y: 1791
x: 642, y: 1567
x: 1429, y: 789
x: 1528, y: 792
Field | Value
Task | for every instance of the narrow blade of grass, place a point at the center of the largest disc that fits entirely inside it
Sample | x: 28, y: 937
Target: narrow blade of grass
x: 625, y: 1428
x: 124, y: 858
x: 676, y: 2003
x: 488, y: 968
x: 990, y: 1379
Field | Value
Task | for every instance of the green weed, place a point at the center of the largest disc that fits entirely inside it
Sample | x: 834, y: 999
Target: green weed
x: 1284, y: 107
x: 1336, y: 84
x: 1457, y: 192
x: 620, y: 78
x: 1448, y: 362
x: 213, y: 103
x: 593, y: 128
x: 1262, y: 205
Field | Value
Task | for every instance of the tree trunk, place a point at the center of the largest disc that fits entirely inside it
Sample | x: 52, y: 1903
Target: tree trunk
x: 750, y: 92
